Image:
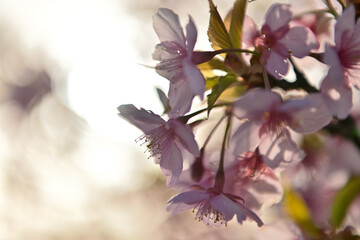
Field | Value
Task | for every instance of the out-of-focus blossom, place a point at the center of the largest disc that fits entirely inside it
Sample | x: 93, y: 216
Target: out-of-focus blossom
x: 268, y: 120
x: 164, y: 139
x: 28, y: 95
x: 257, y: 186
x: 344, y: 62
x: 332, y: 162
x: 175, y: 56
x: 320, y: 24
x: 213, y: 206
x: 277, y: 40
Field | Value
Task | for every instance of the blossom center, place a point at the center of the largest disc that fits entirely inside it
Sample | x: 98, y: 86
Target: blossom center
x: 207, y: 213
x: 268, y: 38
x: 156, y: 140
x: 274, y: 122
x: 251, y: 165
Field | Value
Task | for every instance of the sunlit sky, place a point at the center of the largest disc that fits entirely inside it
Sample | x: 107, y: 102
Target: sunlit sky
x: 93, y: 43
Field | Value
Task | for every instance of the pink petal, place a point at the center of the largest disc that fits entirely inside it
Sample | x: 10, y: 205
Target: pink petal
x: 356, y: 33
x: 267, y: 189
x: 171, y: 162
x: 277, y: 65
x: 246, y: 138
x: 142, y: 119
x: 190, y: 197
x: 354, y: 78
x: 344, y: 25
x: 191, y: 36
x: 246, y: 211
x: 249, y: 32
x: 280, y: 150
x: 194, y: 77
x: 336, y: 70
x: 180, y: 98
x: 185, y: 136
x: 162, y: 52
x: 224, y: 205
x: 185, y: 201
x: 170, y: 66
x: 300, y: 40
x: 298, y: 104
x: 312, y: 117
x: 178, y: 208
x: 254, y: 103
x: 338, y: 99
x: 278, y: 15
x: 167, y: 26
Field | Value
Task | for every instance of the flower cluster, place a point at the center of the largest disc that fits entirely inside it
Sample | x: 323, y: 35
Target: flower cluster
x: 262, y: 118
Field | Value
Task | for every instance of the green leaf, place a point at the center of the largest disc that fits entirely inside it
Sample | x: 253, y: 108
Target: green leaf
x: 211, y: 82
x: 343, y: 200
x: 298, y: 210
x: 237, y: 20
x: 218, y: 35
x: 212, y: 64
x: 222, y: 84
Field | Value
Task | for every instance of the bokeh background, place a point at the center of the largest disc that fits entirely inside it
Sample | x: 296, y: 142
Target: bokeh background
x: 69, y: 166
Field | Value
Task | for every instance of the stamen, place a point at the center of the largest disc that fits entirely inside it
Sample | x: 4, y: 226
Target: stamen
x: 155, y: 139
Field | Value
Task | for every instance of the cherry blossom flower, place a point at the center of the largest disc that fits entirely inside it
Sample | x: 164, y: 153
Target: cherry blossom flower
x: 213, y: 207
x: 267, y: 122
x: 277, y: 40
x: 326, y: 176
x: 245, y: 176
x: 249, y: 177
x: 164, y: 140
x: 344, y: 62
x: 321, y: 25
x: 175, y: 56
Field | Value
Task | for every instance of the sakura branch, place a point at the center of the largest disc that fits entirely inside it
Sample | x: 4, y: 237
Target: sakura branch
x: 271, y: 128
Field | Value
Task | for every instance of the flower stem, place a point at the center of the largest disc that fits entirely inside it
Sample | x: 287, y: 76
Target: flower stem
x: 199, y: 57
x: 197, y: 168
x: 187, y: 117
x: 213, y: 131
x: 342, y: 4
x: 227, y: 50
x: 265, y: 77
x: 332, y: 10
x: 220, y: 174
